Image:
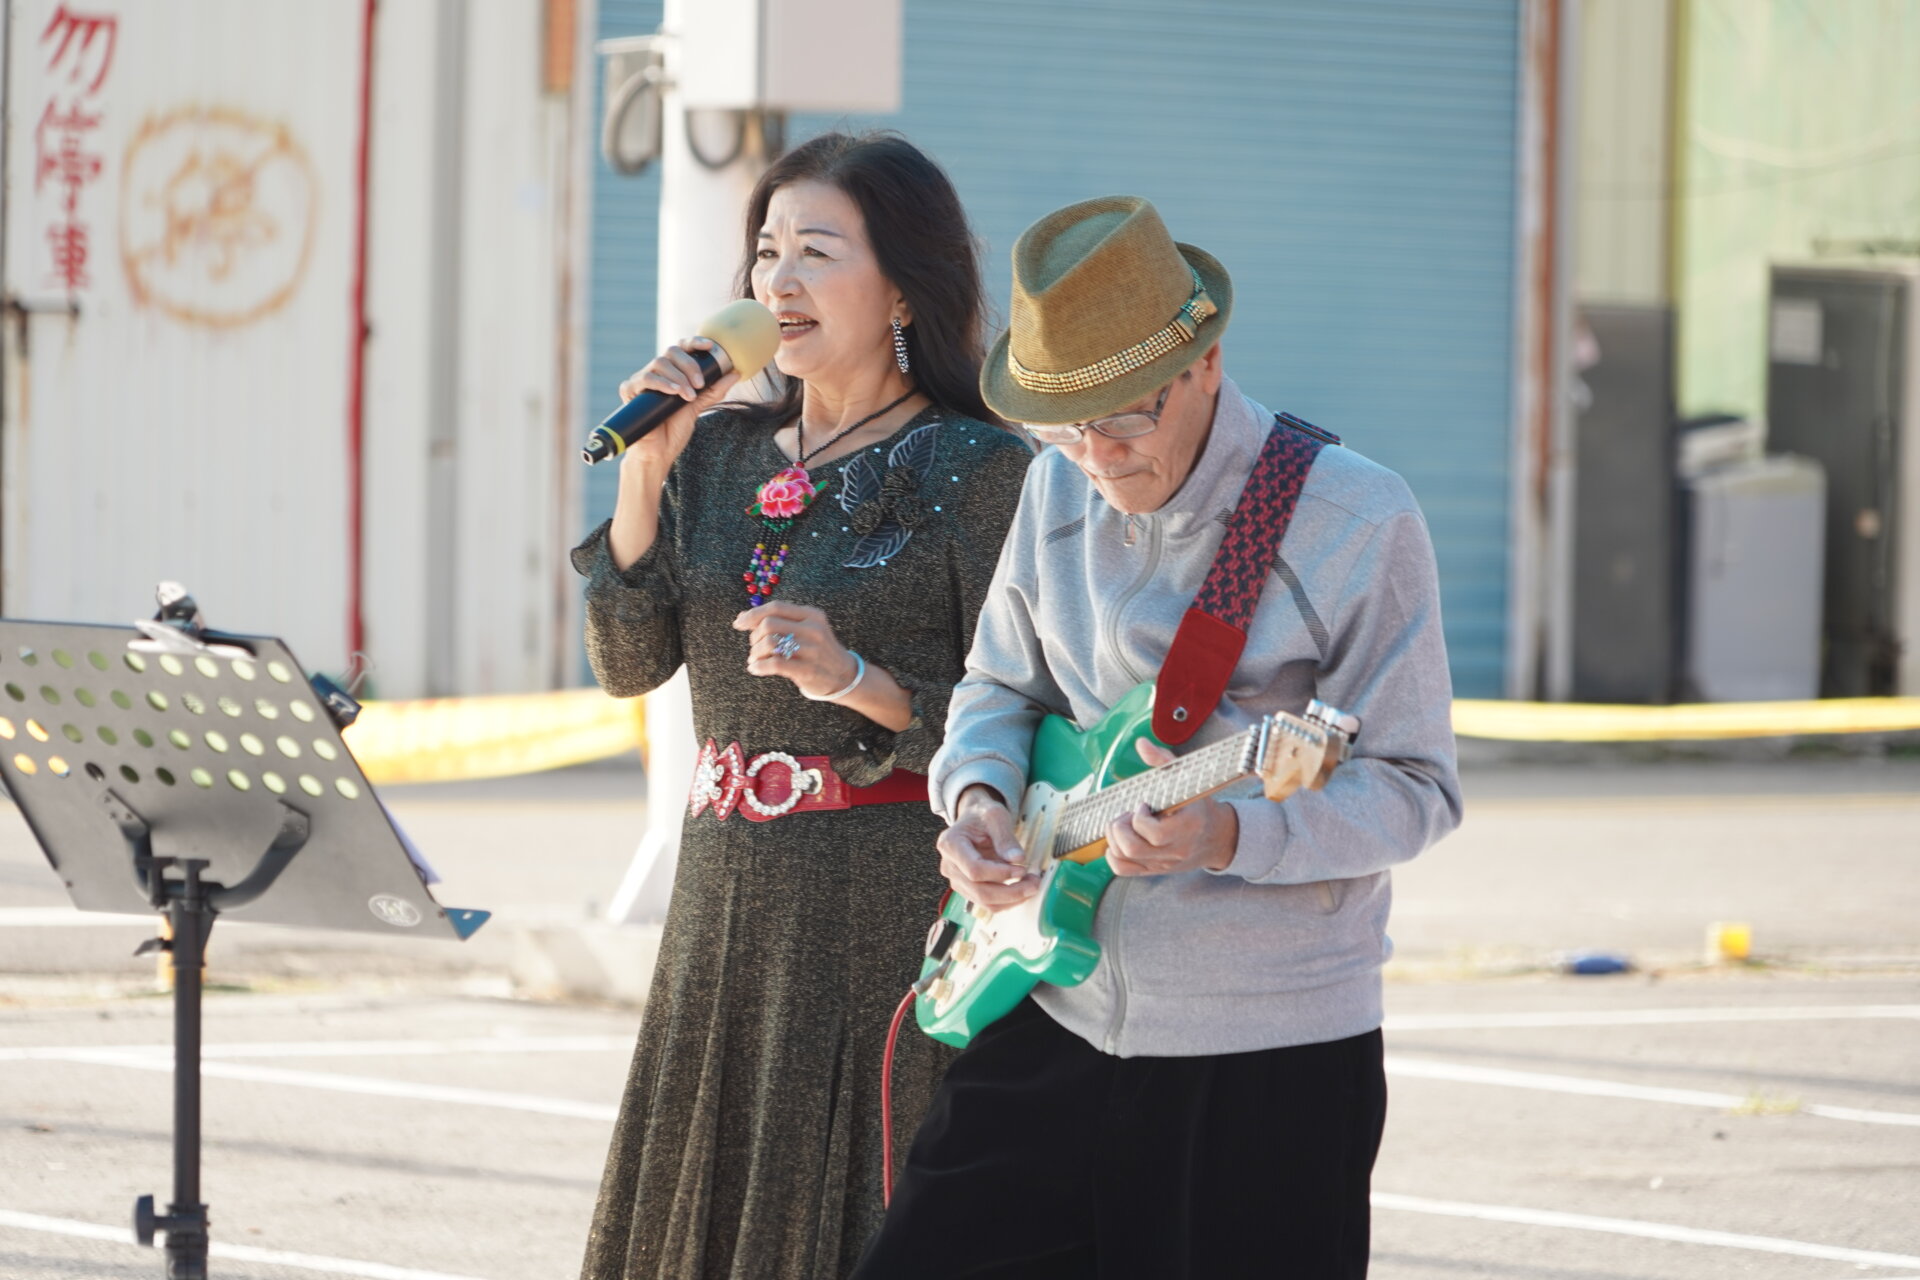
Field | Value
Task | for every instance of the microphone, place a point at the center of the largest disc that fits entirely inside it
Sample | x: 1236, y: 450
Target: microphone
x: 745, y: 336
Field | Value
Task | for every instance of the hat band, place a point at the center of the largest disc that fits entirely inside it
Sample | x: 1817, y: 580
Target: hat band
x: 1182, y: 329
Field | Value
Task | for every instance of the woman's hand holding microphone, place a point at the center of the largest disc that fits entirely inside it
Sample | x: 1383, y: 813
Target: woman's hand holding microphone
x: 740, y: 338
x: 644, y: 463
x: 673, y: 372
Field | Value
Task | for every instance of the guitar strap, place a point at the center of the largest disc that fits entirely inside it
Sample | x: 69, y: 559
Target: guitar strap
x: 1213, y: 633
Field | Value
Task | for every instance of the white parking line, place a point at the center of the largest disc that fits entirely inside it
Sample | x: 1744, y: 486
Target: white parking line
x: 68, y: 918
x: 158, y: 1057
x: 342, y: 1048
x: 327, y: 1080
x: 1643, y: 804
x: 1645, y: 1230
x: 1429, y: 1069
x: 1647, y: 1017
x: 231, y: 1252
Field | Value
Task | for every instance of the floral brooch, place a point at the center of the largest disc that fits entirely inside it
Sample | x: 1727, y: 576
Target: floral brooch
x: 783, y: 498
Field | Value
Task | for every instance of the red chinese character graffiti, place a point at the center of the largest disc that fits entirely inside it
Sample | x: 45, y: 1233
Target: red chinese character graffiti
x: 59, y: 155
x: 82, y: 42
x: 69, y: 243
x: 63, y: 160
x: 85, y: 28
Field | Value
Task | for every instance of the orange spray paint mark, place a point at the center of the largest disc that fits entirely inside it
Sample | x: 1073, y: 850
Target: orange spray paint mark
x: 217, y: 215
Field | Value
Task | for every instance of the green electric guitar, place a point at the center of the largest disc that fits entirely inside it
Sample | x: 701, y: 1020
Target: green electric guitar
x: 981, y: 962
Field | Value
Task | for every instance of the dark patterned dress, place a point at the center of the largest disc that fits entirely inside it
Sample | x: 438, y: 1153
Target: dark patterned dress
x: 748, y: 1145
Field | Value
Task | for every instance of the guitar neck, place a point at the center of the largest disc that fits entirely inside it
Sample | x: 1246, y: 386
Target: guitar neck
x: 1085, y: 821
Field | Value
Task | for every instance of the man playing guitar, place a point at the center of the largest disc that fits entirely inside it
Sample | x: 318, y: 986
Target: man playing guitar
x: 1208, y: 1102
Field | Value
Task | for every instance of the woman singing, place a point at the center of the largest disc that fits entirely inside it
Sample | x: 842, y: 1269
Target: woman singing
x: 816, y: 561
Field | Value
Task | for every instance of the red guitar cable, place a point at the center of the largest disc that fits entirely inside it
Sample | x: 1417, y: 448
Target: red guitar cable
x: 886, y: 1101
x: 886, y: 1082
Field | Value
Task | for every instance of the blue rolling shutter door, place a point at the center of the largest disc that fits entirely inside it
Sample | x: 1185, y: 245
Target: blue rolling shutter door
x: 1352, y: 162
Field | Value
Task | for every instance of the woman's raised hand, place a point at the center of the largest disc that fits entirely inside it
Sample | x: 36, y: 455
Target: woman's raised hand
x: 796, y: 641
x: 673, y: 372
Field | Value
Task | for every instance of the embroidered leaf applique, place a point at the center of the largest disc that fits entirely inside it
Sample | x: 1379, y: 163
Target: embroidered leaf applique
x: 859, y: 483
x: 884, y: 508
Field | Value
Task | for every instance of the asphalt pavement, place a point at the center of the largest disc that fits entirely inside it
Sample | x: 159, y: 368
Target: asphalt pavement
x: 396, y: 1110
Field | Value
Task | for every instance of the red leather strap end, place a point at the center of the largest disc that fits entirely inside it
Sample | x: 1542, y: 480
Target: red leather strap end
x: 1198, y: 666
x: 902, y: 786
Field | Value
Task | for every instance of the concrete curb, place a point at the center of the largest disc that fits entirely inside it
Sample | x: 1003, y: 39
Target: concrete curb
x: 590, y: 960
x: 1863, y: 746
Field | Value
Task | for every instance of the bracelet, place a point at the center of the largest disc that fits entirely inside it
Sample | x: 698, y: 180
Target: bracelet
x: 859, y: 674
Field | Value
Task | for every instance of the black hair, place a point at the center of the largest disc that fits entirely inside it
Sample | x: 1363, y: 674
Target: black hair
x: 924, y: 246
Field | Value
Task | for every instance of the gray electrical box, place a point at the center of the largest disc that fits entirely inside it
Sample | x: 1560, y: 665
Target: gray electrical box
x: 790, y: 55
x: 1843, y: 387
x: 1623, y: 539
x: 1753, y: 555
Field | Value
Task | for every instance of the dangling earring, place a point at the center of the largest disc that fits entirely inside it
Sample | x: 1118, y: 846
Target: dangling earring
x: 900, y: 347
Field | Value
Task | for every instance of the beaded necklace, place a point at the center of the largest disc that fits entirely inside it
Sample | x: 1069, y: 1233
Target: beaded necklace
x: 784, y: 499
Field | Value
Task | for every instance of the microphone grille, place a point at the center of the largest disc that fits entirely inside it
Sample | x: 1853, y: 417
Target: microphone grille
x: 747, y: 332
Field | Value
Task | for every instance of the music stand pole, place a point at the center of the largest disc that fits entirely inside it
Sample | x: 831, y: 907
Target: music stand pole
x: 186, y: 1219
x: 191, y: 904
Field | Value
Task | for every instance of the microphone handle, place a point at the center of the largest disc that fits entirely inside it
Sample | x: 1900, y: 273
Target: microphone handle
x: 646, y: 412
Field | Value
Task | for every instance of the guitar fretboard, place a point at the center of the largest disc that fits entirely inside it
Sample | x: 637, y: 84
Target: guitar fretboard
x: 1085, y: 820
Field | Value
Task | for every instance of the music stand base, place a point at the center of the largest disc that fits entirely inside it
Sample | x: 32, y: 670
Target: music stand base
x: 186, y: 1228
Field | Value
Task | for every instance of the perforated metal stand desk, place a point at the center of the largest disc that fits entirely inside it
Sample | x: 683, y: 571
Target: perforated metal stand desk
x: 197, y: 777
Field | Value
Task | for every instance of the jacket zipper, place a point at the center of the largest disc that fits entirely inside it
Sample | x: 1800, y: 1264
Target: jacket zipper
x: 1110, y: 629
x: 1116, y: 898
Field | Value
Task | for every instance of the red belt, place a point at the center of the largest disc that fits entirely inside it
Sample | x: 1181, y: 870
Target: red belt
x: 774, y: 784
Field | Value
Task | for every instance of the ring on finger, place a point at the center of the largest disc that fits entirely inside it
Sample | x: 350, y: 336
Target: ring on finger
x: 786, y: 645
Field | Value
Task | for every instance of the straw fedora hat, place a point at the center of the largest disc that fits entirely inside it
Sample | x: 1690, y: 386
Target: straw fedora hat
x: 1106, y: 309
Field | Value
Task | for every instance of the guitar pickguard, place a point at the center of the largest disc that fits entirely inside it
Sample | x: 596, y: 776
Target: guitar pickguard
x: 1023, y: 936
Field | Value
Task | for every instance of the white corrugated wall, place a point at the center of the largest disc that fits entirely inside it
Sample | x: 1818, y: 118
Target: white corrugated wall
x: 188, y: 423
x: 192, y: 422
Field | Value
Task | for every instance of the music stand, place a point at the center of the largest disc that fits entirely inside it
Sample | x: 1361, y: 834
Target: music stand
x: 168, y: 768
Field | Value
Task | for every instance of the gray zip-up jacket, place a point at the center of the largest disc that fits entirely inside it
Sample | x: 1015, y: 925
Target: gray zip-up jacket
x: 1285, y: 946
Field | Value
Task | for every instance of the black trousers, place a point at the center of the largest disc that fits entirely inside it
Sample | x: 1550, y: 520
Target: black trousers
x: 1044, y: 1157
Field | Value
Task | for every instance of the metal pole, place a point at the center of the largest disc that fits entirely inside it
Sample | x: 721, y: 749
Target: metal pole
x: 187, y: 1216
x: 443, y: 270
x: 1562, y: 447
x: 6, y: 179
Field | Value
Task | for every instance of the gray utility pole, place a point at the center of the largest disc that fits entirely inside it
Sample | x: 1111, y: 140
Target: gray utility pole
x: 708, y: 98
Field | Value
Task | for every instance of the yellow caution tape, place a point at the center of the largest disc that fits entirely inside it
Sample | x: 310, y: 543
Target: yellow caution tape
x: 445, y: 739
x: 1598, y: 722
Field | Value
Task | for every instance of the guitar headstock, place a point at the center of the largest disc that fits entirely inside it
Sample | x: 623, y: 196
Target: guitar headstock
x: 1291, y: 755
x: 1341, y: 729
x: 1303, y: 751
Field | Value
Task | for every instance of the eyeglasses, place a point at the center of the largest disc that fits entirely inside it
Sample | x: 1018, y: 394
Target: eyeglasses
x: 1118, y: 426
